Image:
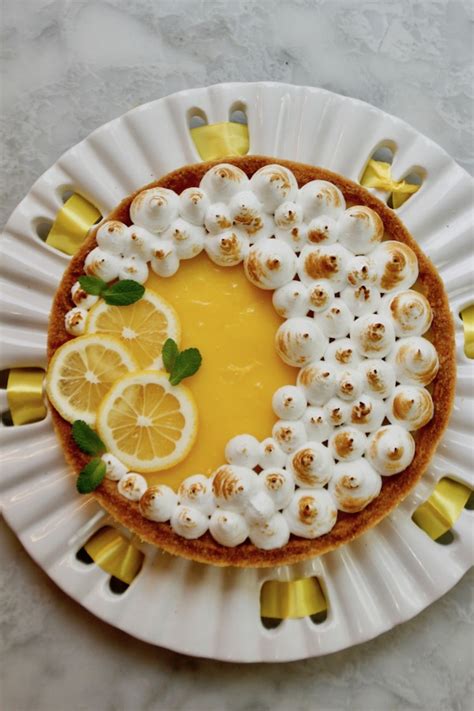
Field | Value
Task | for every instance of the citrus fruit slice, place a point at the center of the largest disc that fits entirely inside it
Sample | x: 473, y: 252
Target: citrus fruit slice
x: 146, y: 422
x: 82, y: 371
x: 143, y: 326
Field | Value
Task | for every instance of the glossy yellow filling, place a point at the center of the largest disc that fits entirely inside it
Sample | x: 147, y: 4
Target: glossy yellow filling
x: 233, y: 324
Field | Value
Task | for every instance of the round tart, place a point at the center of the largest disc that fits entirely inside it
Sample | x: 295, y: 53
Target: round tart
x: 359, y: 368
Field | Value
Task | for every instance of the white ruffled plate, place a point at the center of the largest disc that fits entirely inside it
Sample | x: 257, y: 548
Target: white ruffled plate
x: 385, y: 577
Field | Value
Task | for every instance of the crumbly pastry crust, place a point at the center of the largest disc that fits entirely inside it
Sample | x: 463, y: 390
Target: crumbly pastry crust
x: 394, y: 489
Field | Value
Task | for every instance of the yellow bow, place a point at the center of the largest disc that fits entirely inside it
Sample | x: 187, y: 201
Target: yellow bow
x: 25, y: 395
x: 379, y: 175
x: 443, y: 508
x: 72, y: 224
x: 292, y: 599
x: 468, y: 323
x: 115, y: 554
x: 221, y: 139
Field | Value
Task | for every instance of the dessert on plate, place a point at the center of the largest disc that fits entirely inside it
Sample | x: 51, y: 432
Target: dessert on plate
x: 251, y: 362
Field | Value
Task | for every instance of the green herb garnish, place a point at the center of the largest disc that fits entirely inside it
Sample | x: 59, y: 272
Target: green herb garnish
x: 86, y: 439
x: 180, y: 364
x: 122, y: 293
x: 91, y: 476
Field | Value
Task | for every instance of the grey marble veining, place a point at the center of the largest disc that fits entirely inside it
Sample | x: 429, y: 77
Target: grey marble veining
x: 67, y: 67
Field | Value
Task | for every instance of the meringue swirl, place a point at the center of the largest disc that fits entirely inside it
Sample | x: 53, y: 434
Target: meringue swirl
x: 390, y: 450
x: 410, y: 312
x: 354, y: 485
x: 410, y: 406
x: 360, y: 229
x: 299, y: 341
x: 396, y: 264
x: 311, y: 465
x: 415, y: 361
x: 311, y: 513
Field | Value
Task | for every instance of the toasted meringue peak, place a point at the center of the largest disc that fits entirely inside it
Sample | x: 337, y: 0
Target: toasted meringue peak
x: 158, y: 503
x: 189, y: 522
x: 278, y: 484
x: 164, y: 260
x: 322, y: 230
x: 289, y: 402
x: 373, y: 335
x: 321, y: 296
x: 228, y: 528
x: 337, y: 411
x: 112, y: 236
x: 288, y: 215
x: 243, y: 450
x: 360, y: 229
x: 347, y: 444
x: 133, y: 268
x: 350, y: 384
x: 270, y: 534
x: 316, y: 423
x: 102, y: 264
x: 260, y: 508
x: 139, y: 242
x: 233, y: 486
x: 390, y: 450
x: 296, y: 237
x: 321, y: 198
x: 354, y: 485
x: 396, y: 264
x: 217, y: 218
x: 367, y: 413
x: 361, y: 270
x: 324, y: 262
x: 289, y: 434
x: 311, y: 465
x: 82, y: 299
x: 270, y: 264
x: 193, y: 204
x: 155, y: 209
x: 274, y: 185
x: 410, y: 407
x: 361, y: 300
x: 311, y: 513
x: 292, y: 299
x: 318, y: 381
x: 196, y: 491
x: 270, y: 454
x: 415, y: 361
x: 227, y: 248
x: 188, y: 239
x: 132, y: 486
x: 114, y: 469
x: 246, y: 211
x: 75, y: 321
x: 336, y: 321
x: 223, y: 181
x: 379, y: 378
x: 341, y: 353
x: 299, y: 340
x: 410, y: 312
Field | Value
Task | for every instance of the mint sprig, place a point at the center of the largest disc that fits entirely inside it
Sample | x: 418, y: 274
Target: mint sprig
x: 91, y: 476
x: 86, y: 439
x: 180, y: 364
x: 122, y: 293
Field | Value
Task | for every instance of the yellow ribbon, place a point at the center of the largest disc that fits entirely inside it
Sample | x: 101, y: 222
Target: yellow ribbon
x: 72, y: 224
x: 378, y: 175
x: 115, y: 554
x: 468, y: 323
x: 291, y: 600
x: 441, y: 511
x: 25, y: 395
x: 221, y: 139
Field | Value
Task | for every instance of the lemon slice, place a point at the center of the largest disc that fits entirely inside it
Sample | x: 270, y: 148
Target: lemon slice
x: 143, y: 326
x: 82, y: 371
x: 146, y: 422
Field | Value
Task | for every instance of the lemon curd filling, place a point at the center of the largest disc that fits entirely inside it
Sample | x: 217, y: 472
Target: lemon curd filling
x: 233, y: 324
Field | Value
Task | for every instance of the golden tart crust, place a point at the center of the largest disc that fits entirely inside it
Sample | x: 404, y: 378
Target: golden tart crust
x: 394, y: 488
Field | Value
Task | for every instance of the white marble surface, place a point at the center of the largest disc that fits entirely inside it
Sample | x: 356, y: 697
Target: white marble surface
x: 67, y: 67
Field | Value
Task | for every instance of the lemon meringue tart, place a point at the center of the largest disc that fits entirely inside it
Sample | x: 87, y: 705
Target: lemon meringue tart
x: 250, y: 363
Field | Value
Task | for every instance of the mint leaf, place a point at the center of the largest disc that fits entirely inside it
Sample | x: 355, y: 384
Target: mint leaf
x: 91, y: 476
x: 86, y: 439
x: 169, y: 354
x: 123, y: 293
x: 93, y: 285
x: 187, y: 363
